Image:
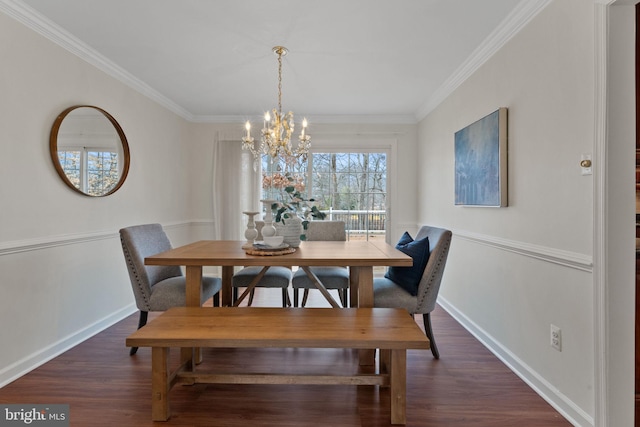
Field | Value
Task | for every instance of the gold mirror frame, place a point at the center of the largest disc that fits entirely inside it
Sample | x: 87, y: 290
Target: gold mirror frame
x: 53, y: 149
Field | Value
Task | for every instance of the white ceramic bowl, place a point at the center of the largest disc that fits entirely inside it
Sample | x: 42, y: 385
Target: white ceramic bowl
x: 273, y: 241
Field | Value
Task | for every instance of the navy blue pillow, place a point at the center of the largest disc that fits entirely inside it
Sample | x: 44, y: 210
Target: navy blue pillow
x: 408, y: 278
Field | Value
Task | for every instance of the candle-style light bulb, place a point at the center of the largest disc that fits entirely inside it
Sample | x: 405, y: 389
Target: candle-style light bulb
x: 247, y: 126
x: 304, y: 126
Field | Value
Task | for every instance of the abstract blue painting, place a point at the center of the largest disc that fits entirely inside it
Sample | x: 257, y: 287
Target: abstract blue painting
x: 481, y: 162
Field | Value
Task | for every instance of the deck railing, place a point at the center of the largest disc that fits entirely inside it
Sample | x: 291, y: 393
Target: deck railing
x: 360, y: 221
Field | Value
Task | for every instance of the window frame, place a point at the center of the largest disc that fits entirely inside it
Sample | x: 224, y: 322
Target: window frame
x: 346, y: 151
x: 84, y: 162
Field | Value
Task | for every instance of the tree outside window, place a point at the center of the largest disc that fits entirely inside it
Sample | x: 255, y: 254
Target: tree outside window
x: 346, y: 186
x: 94, y: 172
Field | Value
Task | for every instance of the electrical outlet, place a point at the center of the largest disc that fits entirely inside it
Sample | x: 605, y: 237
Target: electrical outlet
x: 556, y: 337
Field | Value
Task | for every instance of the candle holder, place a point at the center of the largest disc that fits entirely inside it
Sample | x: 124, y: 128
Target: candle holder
x: 268, y: 230
x: 250, y: 233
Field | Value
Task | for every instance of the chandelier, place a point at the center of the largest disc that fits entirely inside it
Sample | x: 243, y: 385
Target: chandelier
x: 277, y: 129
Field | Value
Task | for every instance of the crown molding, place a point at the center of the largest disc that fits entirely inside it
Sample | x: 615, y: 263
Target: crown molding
x: 26, y: 15
x: 511, y: 25
x: 514, y: 22
x: 406, y: 119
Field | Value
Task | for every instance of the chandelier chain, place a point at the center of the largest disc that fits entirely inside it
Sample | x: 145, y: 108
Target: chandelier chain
x: 280, y: 82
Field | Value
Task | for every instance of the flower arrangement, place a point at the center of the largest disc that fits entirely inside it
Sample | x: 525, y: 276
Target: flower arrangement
x: 280, y: 182
x: 292, y: 202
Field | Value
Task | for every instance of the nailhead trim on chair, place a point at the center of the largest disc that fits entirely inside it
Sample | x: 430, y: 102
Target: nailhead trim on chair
x: 137, y: 276
x: 441, y: 259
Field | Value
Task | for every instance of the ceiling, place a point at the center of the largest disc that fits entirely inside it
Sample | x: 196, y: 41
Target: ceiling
x: 213, y: 60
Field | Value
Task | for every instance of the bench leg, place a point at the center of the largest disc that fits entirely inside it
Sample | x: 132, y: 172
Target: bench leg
x: 398, y: 386
x: 361, y: 283
x: 160, y: 383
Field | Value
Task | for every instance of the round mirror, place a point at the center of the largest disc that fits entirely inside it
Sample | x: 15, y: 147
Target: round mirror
x: 89, y: 150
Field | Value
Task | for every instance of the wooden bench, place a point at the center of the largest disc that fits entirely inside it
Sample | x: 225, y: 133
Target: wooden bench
x: 392, y: 331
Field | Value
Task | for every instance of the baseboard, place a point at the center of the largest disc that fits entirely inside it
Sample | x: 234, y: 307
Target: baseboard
x: 31, y: 362
x: 572, y: 412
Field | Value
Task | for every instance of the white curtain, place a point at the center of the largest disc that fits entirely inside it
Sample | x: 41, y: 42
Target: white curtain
x: 236, y: 188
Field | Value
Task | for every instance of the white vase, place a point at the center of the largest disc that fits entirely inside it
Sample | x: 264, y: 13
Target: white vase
x: 290, y: 230
x: 268, y: 229
x: 250, y: 233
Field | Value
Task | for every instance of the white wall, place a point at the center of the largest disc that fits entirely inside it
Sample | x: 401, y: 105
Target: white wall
x: 62, y: 274
x: 515, y: 271
x: 399, y: 139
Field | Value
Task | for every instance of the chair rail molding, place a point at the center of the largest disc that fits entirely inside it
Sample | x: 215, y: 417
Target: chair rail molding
x: 46, y: 242
x: 569, y: 259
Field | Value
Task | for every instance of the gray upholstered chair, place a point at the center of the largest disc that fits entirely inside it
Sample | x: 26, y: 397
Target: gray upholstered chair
x: 386, y: 293
x: 331, y: 277
x: 157, y: 288
x: 275, y: 277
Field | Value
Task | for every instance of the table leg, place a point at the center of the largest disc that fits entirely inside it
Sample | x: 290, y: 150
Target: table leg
x: 364, y: 283
x: 194, y: 286
x: 226, y: 292
x: 362, y: 279
x: 194, y: 297
x: 353, y: 287
x: 160, y: 384
x: 398, y: 386
x: 385, y: 360
x: 187, y: 357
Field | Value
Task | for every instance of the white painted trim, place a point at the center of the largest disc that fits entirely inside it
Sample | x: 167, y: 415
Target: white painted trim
x: 18, y: 246
x: 28, y: 16
x: 556, y: 256
x: 319, y: 119
x: 510, y: 26
x: 31, y: 362
x: 561, y: 403
x: 600, y: 304
x: 13, y: 247
x: 513, y: 23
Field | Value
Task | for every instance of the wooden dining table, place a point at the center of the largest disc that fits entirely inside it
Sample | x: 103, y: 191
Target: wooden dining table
x: 360, y: 256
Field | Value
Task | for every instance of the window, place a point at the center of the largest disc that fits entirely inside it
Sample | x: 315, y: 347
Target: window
x: 93, y: 171
x: 351, y: 187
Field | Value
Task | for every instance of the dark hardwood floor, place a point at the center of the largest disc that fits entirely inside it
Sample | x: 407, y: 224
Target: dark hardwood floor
x: 468, y: 386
